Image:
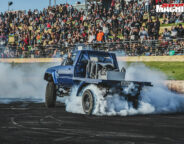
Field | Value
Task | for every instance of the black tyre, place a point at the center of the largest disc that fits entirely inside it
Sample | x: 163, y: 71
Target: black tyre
x: 135, y: 103
x: 50, y: 95
x: 88, y: 102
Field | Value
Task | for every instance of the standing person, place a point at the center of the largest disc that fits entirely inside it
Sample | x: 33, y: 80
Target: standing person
x: 149, y: 26
x: 180, y: 31
x: 115, y: 24
x: 100, y: 36
x: 91, y: 37
x: 147, y: 6
x: 157, y: 27
x: 105, y: 31
x: 143, y: 34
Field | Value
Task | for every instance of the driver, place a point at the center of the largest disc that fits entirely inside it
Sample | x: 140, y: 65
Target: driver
x: 69, y: 60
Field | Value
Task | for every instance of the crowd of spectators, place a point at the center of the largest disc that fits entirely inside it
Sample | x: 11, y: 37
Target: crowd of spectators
x: 48, y: 32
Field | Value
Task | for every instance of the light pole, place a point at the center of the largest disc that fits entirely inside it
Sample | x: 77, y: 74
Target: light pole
x: 50, y: 3
x: 86, y: 4
x: 86, y: 7
x: 55, y: 3
x: 9, y: 4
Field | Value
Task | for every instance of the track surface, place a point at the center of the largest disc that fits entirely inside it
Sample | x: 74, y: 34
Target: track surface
x: 31, y: 123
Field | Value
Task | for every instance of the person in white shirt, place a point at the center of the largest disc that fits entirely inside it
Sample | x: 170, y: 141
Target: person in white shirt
x: 173, y: 32
x: 147, y: 5
x: 91, y: 37
x: 105, y: 31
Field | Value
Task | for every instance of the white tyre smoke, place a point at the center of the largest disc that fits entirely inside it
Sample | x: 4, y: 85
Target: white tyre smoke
x: 26, y: 82
x: 154, y: 100
x: 21, y: 82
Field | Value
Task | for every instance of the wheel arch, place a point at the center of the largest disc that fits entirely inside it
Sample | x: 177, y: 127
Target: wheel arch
x: 81, y: 86
x: 50, y: 77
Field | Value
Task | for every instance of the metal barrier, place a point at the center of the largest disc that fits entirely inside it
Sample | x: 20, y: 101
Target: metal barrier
x: 123, y: 48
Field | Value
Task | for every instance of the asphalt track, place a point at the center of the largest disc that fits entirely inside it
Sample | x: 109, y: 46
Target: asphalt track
x: 32, y: 123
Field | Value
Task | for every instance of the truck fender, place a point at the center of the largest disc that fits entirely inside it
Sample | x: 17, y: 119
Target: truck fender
x: 51, y: 77
x: 80, y: 87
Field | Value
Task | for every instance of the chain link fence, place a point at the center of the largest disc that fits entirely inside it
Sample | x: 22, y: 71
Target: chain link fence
x: 124, y: 48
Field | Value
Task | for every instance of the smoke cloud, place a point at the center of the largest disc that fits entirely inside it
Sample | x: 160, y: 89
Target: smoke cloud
x: 25, y: 82
x: 22, y: 82
x: 154, y: 100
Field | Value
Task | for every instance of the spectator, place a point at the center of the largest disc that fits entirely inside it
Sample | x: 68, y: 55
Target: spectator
x: 100, y: 36
x: 166, y: 34
x: 173, y: 32
x: 105, y: 31
x: 143, y: 34
x: 64, y: 25
x: 180, y: 31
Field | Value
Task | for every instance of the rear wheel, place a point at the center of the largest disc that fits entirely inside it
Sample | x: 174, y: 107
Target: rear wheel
x: 88, y: 102
x: 50, y: 95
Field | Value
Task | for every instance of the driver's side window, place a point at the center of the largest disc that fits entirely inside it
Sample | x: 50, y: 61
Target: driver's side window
x: 67, y: 62
x: 80, y: 70
x: 63, y: 62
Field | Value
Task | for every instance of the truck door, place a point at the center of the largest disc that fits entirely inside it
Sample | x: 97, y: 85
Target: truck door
x: 80, y: 67
x: 65, y: 75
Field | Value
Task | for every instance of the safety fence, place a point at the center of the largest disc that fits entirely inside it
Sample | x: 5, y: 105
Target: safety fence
x: 179, y: 58
x: 164, y: 47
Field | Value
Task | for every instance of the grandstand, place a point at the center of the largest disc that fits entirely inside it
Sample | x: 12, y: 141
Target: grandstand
x: 122, y: 25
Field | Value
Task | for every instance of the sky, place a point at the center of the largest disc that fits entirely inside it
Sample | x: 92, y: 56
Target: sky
x: 30, y: 4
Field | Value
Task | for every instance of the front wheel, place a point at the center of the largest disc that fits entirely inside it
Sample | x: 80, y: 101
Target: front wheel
x: 88, y: 102
x: 135, y: 103
x: 50, y: 95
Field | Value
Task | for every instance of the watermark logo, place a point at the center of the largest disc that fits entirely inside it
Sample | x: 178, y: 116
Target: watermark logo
x: 170, y: 7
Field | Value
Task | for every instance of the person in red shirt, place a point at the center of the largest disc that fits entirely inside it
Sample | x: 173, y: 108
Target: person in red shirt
x: 84, y: 34
x: 113, y: 3
x: 48, y: 25
x: 26, y: 41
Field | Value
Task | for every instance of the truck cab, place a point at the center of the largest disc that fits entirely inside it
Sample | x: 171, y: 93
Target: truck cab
x: 65, y: 73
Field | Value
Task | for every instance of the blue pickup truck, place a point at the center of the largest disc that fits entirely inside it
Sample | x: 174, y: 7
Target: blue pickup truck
x: 85, y: 67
